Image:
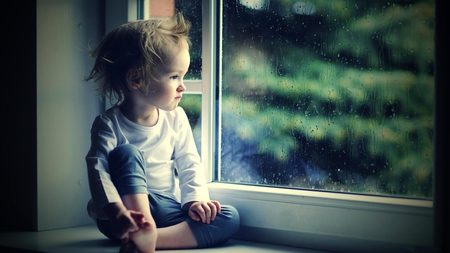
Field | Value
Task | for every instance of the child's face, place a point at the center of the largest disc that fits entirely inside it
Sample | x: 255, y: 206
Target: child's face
x: 166, y: 93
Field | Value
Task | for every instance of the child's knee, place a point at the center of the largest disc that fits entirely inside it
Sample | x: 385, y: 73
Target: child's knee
x: 126, y: 157
x: 125, y: 150
x: 127, y: 169
x: 233, y: 219
x: 224, y: 227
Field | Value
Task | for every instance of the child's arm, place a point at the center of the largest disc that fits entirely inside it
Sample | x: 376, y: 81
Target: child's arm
x: 204, y: 211
x: 192, y: 181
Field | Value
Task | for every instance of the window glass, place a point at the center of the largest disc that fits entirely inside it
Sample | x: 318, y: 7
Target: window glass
x: 329, y: 95
x: 192, y: 105
x: 192, y: 11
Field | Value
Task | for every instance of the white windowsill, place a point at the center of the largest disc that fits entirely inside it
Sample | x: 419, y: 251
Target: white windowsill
x: 298, y: 195
x: 329, y: 221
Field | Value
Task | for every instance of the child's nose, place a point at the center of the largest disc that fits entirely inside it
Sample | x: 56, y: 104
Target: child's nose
x: 182, y: 87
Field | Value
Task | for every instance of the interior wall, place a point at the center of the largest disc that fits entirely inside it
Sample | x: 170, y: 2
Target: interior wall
x: 18, y: 143
x: 66, y: 108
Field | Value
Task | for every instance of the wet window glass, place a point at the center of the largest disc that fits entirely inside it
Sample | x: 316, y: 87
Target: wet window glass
x: 192, y: 11
x: 192, y: 105
x: 328, y: 95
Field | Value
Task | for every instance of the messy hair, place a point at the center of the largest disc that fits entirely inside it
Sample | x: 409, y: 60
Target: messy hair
x: 139, y: 46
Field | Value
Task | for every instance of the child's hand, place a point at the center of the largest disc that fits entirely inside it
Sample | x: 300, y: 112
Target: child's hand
x: 205, y: 211
x: 127, y: 221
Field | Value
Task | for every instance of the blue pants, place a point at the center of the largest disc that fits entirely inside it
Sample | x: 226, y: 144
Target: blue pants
x: 128, y: 174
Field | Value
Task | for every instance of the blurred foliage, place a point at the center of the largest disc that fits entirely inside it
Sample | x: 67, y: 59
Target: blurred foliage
x: 192, y: 11
x: 192, y: 105
x: 344, y: 86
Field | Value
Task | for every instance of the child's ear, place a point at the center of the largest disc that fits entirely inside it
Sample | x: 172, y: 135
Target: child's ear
x: 133, y: 79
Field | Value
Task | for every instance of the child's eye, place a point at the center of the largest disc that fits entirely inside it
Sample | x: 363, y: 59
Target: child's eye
x: 174, y: 77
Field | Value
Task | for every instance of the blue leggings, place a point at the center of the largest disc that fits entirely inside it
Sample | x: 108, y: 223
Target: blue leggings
x: 128, y: 175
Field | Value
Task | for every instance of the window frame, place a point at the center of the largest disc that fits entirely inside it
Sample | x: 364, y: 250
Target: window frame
x: 298, y: 217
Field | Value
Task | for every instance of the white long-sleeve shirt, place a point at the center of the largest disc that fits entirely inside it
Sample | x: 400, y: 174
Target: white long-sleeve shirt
x: 166, y: 146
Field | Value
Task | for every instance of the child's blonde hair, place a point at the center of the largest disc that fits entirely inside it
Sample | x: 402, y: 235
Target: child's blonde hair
x: 139, y: 46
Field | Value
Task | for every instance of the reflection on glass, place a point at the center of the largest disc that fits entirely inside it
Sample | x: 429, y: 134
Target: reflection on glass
x: 330, y: 95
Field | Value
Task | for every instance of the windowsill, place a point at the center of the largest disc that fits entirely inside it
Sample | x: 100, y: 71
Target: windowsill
x: 88, y: 239
x: 300, y: 195
x: 329, y: 221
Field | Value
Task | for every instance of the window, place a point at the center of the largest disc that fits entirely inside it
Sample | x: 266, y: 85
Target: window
x: 316, y: 106
x: 335, y: 96
x: 325, y: 121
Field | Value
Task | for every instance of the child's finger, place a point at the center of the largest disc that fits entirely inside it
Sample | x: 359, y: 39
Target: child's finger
x: 194, y: 215
x: 201, y: 214
x: 207, y: 212
x: 199, y: 210
x: 217, y: 204
x: 138, y: 217
x: 213, y: 209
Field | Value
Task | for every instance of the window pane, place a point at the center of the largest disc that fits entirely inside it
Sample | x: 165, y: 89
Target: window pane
x: 330, y: 95
x: 192, y: 105
x: 192, y: 11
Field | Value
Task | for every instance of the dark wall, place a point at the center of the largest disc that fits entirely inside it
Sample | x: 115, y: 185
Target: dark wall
x: 442, y: 128
x: 18, y: 184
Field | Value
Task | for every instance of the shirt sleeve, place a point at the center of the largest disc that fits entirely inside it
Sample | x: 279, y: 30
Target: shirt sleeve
x: 103, y: 140
x: 193, y: 185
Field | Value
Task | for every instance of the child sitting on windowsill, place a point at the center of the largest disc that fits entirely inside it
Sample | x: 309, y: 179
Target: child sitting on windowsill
x: 140, y: 144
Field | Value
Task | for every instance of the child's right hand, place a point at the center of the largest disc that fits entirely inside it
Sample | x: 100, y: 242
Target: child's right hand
x: 204, y: 211
x: 126, y: 222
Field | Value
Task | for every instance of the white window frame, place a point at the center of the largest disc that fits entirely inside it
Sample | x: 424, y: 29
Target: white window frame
x: 305, y: 218
x: 337, y: 222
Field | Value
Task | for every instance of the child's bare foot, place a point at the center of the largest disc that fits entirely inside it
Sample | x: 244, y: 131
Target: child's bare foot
x: 145, y: 238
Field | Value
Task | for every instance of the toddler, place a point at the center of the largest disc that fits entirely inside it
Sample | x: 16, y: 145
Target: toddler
x: 145, y: 176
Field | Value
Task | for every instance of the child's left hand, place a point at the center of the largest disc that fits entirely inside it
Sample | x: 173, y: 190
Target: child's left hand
x: 205, y: 211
